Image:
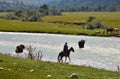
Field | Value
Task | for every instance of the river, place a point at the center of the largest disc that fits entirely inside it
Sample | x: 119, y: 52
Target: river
x: 99, y: 52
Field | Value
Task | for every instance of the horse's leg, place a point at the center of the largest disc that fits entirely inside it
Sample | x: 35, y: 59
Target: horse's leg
x: 65, y: 58
x: 69, y: 58
x: 58, y: 60
x: 61, y: 59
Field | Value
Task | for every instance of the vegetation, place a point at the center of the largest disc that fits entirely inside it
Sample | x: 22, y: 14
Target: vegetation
x: 57, y: 24
x: 62, y: 5
x: 87, y: 5
x: 18, y: 68
x: 93, y: 23
x: 110, y: 19
x: 32, y: 53
x: 32, y: 15
x: 11, y: 6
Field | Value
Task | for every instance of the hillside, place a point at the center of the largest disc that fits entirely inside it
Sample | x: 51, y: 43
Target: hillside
x: 62, y: 5
x: 87, y: 2
x: 18, y: 68
x: 87, y: 5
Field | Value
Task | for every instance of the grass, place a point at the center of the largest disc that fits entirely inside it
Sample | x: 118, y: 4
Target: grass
x: 39, y: 27
x: 18, y: 68
x: 4, y: 13
x: 110, y: 19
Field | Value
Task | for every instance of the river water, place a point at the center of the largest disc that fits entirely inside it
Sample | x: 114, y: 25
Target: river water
x: 99, y: 52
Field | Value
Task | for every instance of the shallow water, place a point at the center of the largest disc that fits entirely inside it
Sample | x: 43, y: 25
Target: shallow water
x: 99, y: 52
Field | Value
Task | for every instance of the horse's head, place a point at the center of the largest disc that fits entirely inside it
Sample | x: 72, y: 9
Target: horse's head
x: 72, y: 49
x: 22, y: 46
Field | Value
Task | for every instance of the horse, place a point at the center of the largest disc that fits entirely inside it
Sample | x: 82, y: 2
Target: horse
x: 81, y: 43
x: 116, y: 30
x: 19, y: 48
x: 109, y: 30
x: 65, y: 54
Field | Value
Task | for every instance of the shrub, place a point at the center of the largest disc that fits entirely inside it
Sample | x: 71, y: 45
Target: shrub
x: 11, y: 17
x: 33, y: 54
x: 93, y: 23
x: 33, y: 18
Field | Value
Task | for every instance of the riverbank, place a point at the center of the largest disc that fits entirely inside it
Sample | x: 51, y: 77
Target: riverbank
x: 50, y: 24
x: 18, y: 68
x: 43, y: 27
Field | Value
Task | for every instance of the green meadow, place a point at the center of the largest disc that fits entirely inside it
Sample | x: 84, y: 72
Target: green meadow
x: 18, y: 68
x: 109, y: 19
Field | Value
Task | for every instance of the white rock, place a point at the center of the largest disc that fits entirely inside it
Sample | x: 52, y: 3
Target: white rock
x: 9, y: 69
x: 74, y: 75
x: 31, y: 70
x: 49, y: 76
x: 1, y: 68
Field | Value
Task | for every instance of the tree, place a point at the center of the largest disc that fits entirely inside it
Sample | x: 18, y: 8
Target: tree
x: 118, y: 2
x: 44, y: 7
x: 112, y: 9
x: 82, y: 8
x: 86, y: 8
x: 99, y: 8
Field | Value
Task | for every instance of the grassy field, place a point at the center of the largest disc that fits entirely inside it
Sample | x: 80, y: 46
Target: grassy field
x: 110, y: 19
x: 18, y: 68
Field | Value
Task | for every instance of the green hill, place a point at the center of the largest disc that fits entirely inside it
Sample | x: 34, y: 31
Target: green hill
x: 63, y: 5
x: 87, y: 5
x: 18, y: 68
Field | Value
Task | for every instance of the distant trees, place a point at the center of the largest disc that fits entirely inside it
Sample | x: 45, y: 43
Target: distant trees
x: 44, y: 7
x: 45, y: 10
x: 64, y: 5
x: 32, y: 15
x: 98, y: 8
x: 9, y: 6
x: 88, y: 5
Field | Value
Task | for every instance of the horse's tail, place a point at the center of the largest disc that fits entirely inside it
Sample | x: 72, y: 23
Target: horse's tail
x: 59, y: 57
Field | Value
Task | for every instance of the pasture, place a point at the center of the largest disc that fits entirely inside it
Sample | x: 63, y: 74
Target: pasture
x: 18, y: 68
x: 109, y: 19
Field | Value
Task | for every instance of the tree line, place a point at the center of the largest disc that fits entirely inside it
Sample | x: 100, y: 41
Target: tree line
x: 15, y: 6
x: 64, y: 5
x: 98, y: 8
x: 32, y: 15
x: 87, y: 5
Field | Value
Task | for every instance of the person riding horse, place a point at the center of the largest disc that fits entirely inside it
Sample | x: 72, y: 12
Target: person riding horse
x: 66, y: 55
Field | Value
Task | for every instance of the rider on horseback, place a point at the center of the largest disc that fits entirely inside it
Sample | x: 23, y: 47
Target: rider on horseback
x: 65, y: 49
